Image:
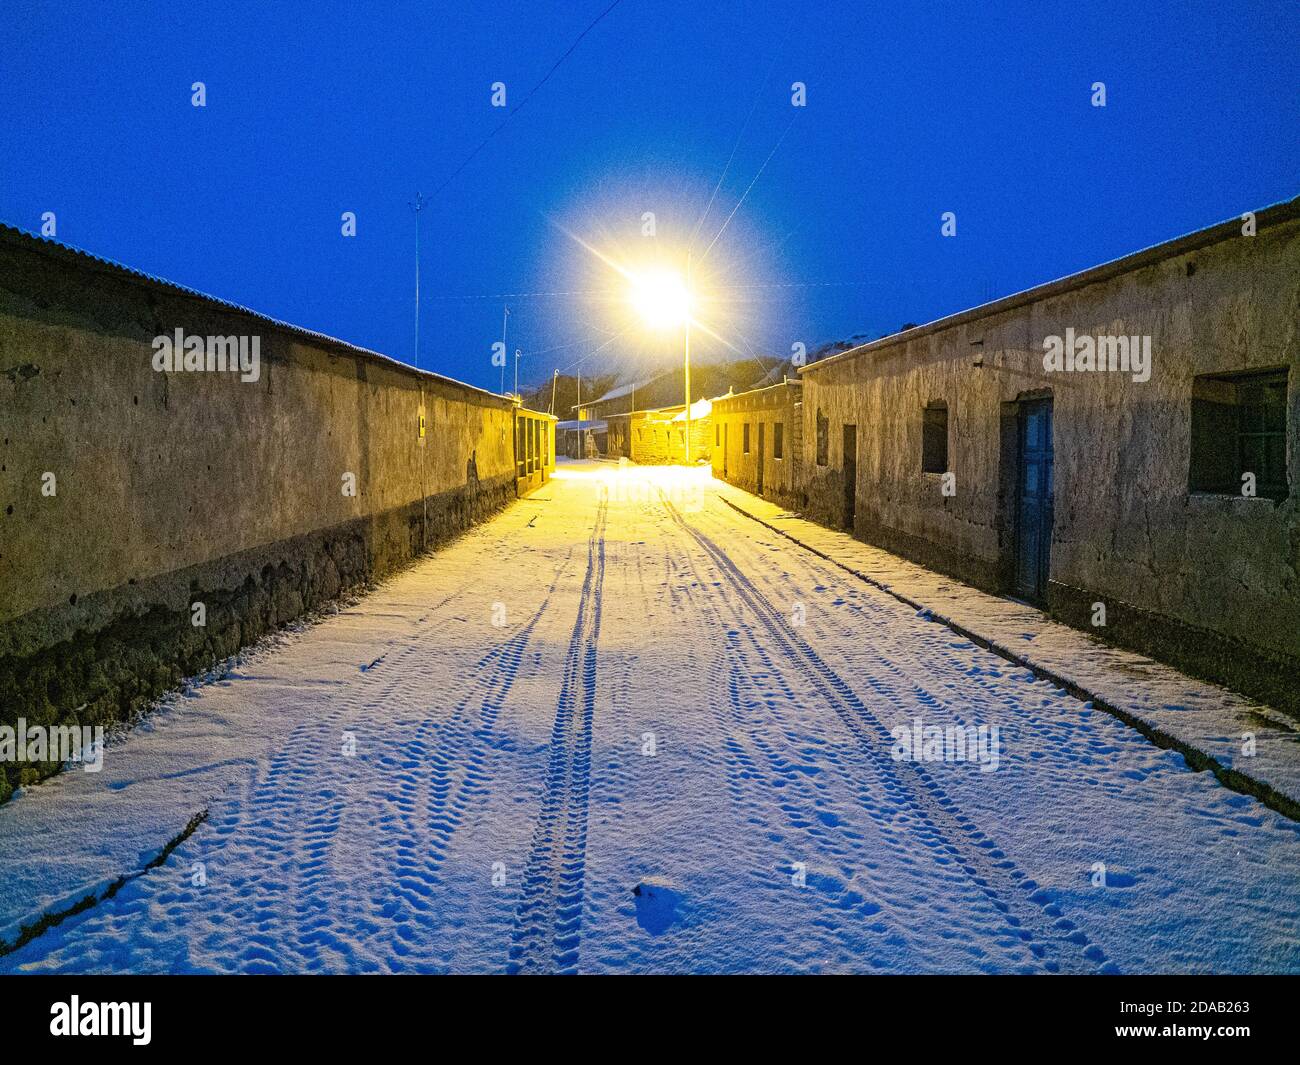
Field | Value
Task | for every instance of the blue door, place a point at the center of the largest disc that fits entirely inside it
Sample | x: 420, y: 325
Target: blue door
x: 1034, y: 501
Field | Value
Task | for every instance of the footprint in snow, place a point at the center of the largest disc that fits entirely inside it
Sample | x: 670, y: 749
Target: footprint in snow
x: 1116, y: 878
x: 656, y: 906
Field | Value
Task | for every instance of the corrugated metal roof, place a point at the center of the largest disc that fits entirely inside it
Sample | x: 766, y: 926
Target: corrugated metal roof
x: 597, y: 424
x: 66, y: 252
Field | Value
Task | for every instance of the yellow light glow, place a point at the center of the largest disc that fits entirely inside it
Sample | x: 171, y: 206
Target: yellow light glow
x: 662, y: 298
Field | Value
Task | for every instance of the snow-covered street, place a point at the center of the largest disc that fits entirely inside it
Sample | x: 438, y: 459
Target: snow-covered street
x: 623, y: 728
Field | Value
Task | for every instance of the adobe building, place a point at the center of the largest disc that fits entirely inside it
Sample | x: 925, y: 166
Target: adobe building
x: 643, y: 419
x: 658, y: 437
x: 1123, y: 437
x: 758, y: 442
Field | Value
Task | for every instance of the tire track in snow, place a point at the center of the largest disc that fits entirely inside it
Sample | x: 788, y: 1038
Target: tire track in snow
x: 306, y: 901
x: 760, y: 767
x: 1051, y: 938
x: 548, y: 922
x: 432, y: 806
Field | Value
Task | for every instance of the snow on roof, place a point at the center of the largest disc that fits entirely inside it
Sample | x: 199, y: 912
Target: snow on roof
x: 83, y: 259
x: 624, y: 389
x: 573, y: 423
x: 699, y: 409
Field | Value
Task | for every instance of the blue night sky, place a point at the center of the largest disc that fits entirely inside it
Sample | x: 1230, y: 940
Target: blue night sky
x: 316, y: 109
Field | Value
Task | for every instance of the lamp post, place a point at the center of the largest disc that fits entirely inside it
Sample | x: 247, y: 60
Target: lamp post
x: 687, y: 368
x: 664, y: 301
x: 505, y: 314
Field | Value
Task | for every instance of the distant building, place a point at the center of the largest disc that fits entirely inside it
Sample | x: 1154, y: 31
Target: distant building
x: 582, y: 438
x: 628, y: 421
x: 758, y: 442
x: 658, y: 437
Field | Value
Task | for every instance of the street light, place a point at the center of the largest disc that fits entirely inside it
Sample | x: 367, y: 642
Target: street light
x: 664, y: 300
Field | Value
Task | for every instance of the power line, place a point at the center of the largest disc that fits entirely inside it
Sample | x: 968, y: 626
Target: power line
x: 526, y: 295
x: 515, y: 110
x: 751, y: 185
x: 758, y: 95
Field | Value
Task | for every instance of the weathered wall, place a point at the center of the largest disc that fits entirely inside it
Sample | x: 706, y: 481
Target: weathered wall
x: 783, y: 478
x: 1211, y: 582
x: 657, y: 440
x: 183, y: 487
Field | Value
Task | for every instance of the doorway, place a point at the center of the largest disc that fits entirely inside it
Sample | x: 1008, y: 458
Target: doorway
x: 725, y: 426
x: 1034, y: 501
x: 761, y: 434
x: 850, y: 476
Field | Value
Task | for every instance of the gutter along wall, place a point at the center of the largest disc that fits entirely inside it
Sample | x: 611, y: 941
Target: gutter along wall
x: 129, y: 495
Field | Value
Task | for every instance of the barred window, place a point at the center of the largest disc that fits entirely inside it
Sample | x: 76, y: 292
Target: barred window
x: 1239, y: 427
x: 823, y: 438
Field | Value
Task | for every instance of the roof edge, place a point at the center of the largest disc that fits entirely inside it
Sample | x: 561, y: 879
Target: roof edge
x: 58, y: 250
x: 1272, y: 215
x: 788, y: 383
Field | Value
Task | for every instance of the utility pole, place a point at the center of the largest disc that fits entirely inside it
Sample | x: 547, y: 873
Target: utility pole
x: 517, y: 354
x: 555, y: 378
x: 419, y: 206
x: 687, y: 374
x: 505, y: 313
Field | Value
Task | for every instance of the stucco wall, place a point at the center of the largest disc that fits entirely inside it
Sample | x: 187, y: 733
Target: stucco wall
x: 179, y: 487
x: 783, y: 478
x: 1173, y: 566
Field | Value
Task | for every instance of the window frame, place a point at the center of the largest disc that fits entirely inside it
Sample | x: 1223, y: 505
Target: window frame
x: 934, y: 460
x: 1210, y: 421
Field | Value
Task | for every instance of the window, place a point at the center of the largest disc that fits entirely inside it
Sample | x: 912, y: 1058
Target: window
x: 934, y: 438
x: 1239, y: 427
x: 778, y: 440
x: 823, y: 438
x: 717, y: 435
x: 744, y: 439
